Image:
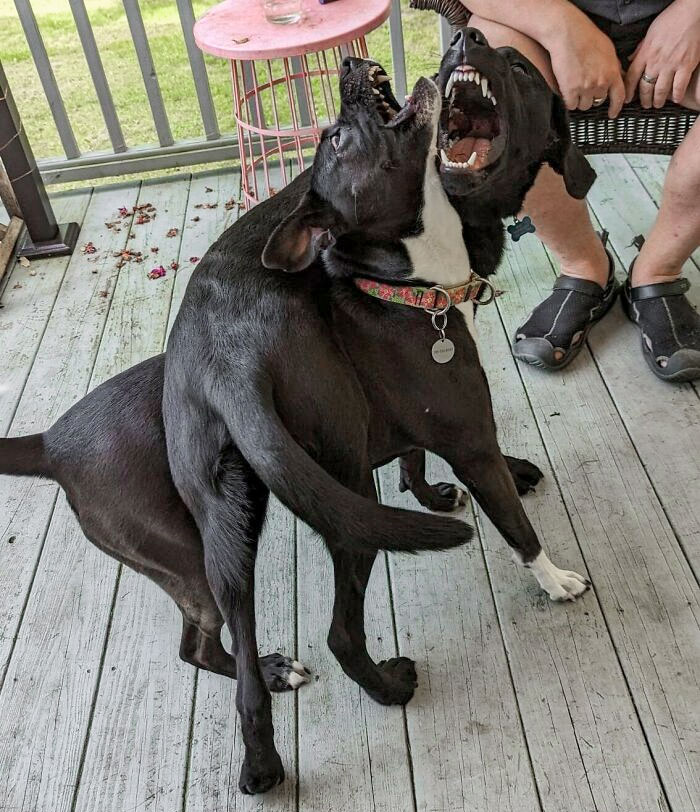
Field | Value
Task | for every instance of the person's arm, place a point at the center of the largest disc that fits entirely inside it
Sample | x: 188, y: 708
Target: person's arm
x: 668, y: 54
x: 542, y: 20
x: 583, y: 58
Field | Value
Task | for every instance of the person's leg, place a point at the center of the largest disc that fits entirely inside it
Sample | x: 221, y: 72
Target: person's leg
x: 654, y: 298
x: 555, y: 331
x: 676, y: 232
x: 563, y: 223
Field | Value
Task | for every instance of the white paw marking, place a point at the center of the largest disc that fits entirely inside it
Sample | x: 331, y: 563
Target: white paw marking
x: 300, y: 668
x: 460, y: 499
x: 560, y: 585
x: 295, y: 679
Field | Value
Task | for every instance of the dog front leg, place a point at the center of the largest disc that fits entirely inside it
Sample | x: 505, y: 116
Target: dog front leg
x: 443, y: 496
x: 390, y: 682
x: 488, y: 477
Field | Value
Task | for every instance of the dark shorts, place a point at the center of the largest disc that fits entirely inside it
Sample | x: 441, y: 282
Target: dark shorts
x: 625, y: 37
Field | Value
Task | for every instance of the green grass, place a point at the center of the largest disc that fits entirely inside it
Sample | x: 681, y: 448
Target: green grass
x: 119, y: 59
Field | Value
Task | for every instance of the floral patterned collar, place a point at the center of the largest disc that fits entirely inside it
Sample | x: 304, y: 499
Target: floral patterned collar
x: 427, y: 298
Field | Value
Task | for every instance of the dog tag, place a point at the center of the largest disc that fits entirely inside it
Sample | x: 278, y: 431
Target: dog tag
x: 520, y: 228
x: 443, y: 351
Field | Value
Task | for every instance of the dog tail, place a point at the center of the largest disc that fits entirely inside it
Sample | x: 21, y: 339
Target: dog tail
x: 24, y: 456
x: 357, y: 522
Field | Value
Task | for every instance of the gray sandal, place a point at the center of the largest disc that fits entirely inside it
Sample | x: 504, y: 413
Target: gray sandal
x: 557, y: 328
x: 669, y: 326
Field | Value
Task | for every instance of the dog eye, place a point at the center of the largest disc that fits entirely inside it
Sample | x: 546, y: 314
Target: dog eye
x: 335, y: 141
x: 518, y: 67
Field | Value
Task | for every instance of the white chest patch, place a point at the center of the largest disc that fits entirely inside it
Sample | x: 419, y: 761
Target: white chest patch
x: 439, y: 253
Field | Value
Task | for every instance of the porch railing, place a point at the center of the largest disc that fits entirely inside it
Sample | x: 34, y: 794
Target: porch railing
x: 123, y: 158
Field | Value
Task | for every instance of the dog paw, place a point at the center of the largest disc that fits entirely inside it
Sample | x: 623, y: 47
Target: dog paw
x: 525, y: 474
x: 443, y: 497
x: 260, y: 774
x: 400, y: 680
x: 560, y: 585
x: 282, y: 673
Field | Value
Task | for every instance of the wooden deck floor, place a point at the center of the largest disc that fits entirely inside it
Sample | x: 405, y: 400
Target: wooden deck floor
x: 522, y: 705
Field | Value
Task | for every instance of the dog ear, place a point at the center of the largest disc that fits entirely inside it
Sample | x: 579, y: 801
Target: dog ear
x: 301, y: 236
x: 565, y: 157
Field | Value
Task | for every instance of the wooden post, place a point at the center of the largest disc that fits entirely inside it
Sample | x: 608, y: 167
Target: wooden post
x: 45, y: 237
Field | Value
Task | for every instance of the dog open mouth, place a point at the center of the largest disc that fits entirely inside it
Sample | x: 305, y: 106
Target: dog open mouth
x: 385, y: 102
x: 472, y: 132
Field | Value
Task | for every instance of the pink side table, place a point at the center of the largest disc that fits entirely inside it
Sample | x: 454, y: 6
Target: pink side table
x: 284, y: 77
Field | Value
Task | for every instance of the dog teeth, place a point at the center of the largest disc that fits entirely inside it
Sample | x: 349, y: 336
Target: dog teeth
x: 493, y: 100
x: 457, y: 164
x: 466, y: 73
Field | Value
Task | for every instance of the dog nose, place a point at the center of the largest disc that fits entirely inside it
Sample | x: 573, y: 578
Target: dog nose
x: 468, y: 37
x: 350, y: 63
x: 475, y: 36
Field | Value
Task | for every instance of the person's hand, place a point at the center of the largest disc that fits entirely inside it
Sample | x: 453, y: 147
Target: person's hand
x: 586, y: 66
x: 669, y: 53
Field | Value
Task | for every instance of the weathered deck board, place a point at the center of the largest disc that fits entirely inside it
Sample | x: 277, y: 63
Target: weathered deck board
x: 467, y: 741
x: 59, y: 375
x: 557, y: 700
x: 657, y: 415
x: 649, y: 596
x: 27, y: 303
x: 580, y: 723
x: 64, y: 624
x: 144, y: 694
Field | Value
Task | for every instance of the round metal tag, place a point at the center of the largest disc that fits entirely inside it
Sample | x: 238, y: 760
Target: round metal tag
x: 443, y: 350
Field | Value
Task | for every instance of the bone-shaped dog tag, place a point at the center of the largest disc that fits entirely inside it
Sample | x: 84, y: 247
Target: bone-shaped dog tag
x: 443, y: 351
x: 520, y: 228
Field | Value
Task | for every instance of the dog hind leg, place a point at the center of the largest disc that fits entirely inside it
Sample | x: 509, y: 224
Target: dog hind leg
x: 443, y: 496
x: 228, y: 503
x: 525, y: 474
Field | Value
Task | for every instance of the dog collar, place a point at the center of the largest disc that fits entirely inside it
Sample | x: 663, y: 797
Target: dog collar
x: 435, y: 301
x: 435, y: 298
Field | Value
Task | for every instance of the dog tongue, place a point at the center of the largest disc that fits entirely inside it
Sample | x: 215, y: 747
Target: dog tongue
x: 461, y: 151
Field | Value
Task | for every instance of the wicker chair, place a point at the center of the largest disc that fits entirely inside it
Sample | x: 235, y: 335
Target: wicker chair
x: 654, y: 131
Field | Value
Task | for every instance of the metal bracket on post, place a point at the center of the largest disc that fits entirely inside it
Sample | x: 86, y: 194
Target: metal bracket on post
x: 45, y: 237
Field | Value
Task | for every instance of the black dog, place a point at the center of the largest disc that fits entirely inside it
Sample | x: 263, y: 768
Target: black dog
x: 114, y: 436
x: 298, y: 384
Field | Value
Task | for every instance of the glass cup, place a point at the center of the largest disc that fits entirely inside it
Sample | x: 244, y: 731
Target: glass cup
x: 282, y: 12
